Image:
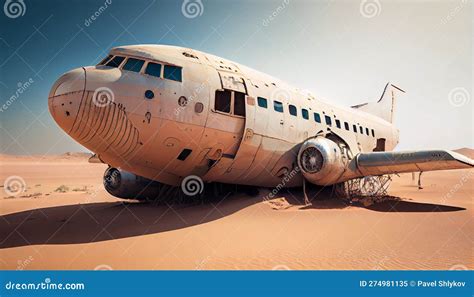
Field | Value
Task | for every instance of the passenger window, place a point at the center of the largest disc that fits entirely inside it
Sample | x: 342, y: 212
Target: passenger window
x: 153, y: 69
x: 115, y: 62
x: 367, y: 131
x: 354, y: 127
x: 317, y: 117
x: 239, y: 104
x: 222, y: 102
x: 172, y: 72
x: 105, y: 60
x: 278, y: 106
x: 134, y: 65
x: 262, y: 102
x: 328, y: 120
x: 292, y: 110
x: 305, y: 114
x: 346, y: 125
x: 361, y: 130
x: 338, y: 124
x: 373, y: 133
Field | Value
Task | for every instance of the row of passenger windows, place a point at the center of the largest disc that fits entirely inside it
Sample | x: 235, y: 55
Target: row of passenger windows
x: 154, y: 69
x: 278, y: 107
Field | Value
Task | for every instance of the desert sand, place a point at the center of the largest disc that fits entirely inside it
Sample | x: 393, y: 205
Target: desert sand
x: 66, y: 220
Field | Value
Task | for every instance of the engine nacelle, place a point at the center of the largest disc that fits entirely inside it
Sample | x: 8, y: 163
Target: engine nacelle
x: 321, y: 161
x: 124, y: 184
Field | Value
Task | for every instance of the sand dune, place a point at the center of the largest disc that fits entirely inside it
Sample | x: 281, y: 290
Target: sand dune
x: 466, y: 151
x: 83, y: 227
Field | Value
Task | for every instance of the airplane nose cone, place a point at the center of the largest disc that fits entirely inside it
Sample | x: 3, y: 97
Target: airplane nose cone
x: 65, y: 97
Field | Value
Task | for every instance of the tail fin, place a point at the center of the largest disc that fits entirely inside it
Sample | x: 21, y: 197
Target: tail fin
x: 385, y: 107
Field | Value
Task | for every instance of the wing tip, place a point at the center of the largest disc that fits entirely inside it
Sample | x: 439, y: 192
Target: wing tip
x: 461, y: 158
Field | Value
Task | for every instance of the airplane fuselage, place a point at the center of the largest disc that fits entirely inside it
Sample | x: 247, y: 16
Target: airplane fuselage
x: 166, y: 112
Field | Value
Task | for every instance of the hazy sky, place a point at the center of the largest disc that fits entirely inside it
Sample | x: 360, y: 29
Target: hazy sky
x: 344, y: 51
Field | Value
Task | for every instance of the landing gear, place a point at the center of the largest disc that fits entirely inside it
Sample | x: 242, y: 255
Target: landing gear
x: 307, y: 202
x: 419, y: 181
x: 368, y: 186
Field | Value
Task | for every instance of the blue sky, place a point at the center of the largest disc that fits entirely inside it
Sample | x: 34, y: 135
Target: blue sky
x: 344, y: 51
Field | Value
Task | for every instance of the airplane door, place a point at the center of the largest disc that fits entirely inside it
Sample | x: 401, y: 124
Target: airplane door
x: 250, y: 141
x: 226, y: 124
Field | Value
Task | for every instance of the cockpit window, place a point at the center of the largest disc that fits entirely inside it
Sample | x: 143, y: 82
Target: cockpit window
x: 134, y: 65
x: 153, y: 69
x: 105, y: 60
x: 172, y: 72
x: 115, y: 62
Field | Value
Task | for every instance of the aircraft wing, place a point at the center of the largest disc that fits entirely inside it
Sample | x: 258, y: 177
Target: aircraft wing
x: 379, y: 163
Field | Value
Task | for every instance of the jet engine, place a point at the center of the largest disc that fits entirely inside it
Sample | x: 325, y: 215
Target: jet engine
x: 322, y: 161
x: 124, y: 184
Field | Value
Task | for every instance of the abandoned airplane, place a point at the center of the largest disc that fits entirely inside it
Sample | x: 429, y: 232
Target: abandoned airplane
x: 161, y: 116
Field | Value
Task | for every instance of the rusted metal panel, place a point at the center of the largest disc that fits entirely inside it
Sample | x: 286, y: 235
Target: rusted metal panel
x: 232, y: 82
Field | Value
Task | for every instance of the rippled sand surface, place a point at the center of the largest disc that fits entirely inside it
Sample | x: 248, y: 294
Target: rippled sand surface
x: 85, y: 228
